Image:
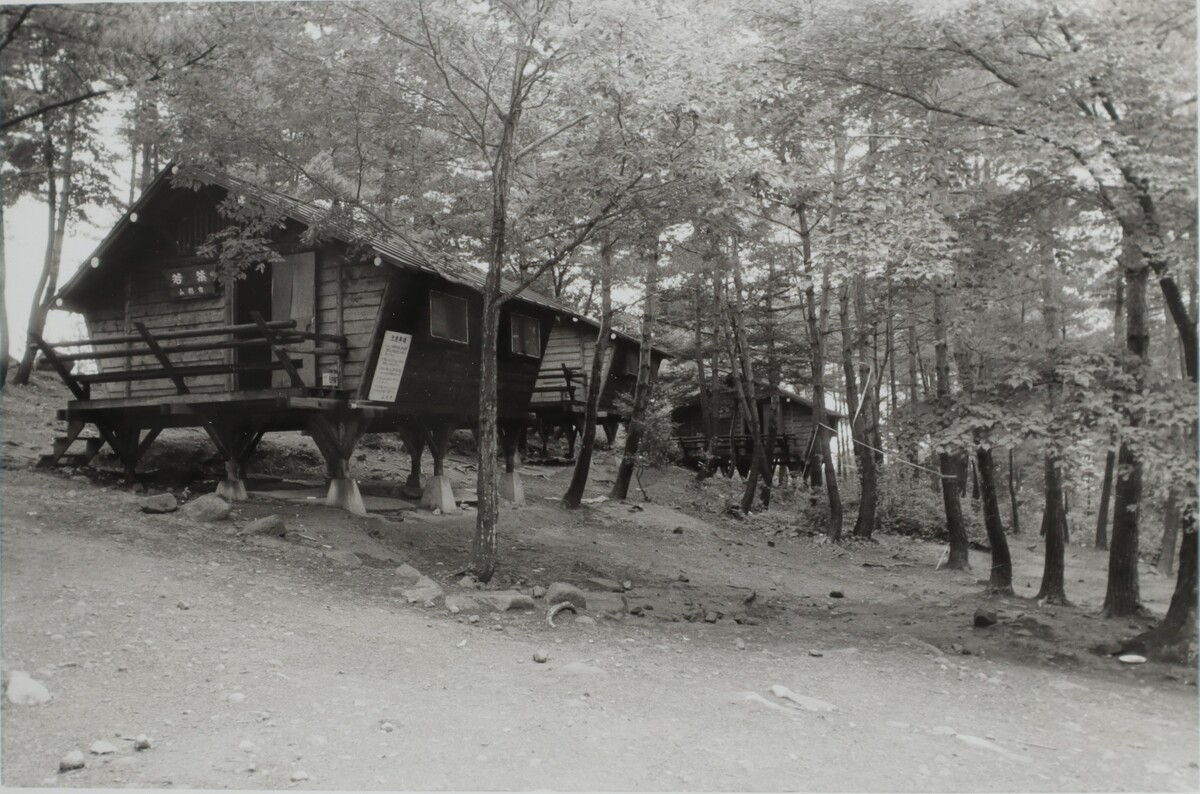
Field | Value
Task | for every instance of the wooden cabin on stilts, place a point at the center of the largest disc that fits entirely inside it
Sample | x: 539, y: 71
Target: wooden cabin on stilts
x: 560, y: 396
x: 336, y: 332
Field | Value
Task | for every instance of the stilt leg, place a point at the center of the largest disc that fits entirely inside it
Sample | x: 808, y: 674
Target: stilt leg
x: 511, y: 489
x: 438, y: 495
x: 414, y: 442
x: 336, y: 433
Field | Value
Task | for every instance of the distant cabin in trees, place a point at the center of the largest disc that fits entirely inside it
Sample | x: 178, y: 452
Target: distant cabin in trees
x: 729, y: 438
x: 560, y: 396
x: 341, y: 335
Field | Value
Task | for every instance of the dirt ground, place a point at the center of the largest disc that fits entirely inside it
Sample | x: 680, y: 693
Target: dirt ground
x: 261, y: 662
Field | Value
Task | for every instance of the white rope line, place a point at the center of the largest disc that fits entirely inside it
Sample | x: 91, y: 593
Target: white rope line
x: 899, y: 457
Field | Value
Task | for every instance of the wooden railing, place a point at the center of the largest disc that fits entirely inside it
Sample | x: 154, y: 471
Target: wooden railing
x: 570, y: 390
x: 277, y: 336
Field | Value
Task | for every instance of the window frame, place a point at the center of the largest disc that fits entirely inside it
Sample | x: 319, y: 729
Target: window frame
x: 513, y: 334
x: 466, y: 317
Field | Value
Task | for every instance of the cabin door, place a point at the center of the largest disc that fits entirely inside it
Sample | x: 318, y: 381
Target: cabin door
x: 294, y: 297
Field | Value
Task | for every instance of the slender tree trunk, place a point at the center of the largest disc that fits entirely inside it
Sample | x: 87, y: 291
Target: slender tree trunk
x: 1013, y: 485
x: 1054, y: 520
x: 1053, y: 526
x: 743, y: 372
x: 868, y: 418
x: 706, y: 408
x: 816, y: 328
x: 4, y: 342
x: 58, y: 207
x: 1000, y: 580
x: 959, y: 554
x: 912, y: 452
x: 641, y: 390
x: 583, y: 464
x: 1110, y: 464
x: 1170, y: 538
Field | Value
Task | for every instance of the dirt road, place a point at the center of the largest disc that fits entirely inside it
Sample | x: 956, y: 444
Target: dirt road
x: 271, y: 666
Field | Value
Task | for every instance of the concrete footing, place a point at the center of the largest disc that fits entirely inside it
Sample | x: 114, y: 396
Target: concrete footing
x: 343, y: 493
x: 232, y: 490
x: 438, y: 495
x: 511, y: 489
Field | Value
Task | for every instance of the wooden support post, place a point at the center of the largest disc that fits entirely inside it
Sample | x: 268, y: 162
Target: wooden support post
x: 236, y: 442
x: 414, y: 441
x: 438, y: 495
x: 80, y: 390
x: 511, y: 489
x: 336, y: 433
x: 609, y: 424
x: 163, y: 360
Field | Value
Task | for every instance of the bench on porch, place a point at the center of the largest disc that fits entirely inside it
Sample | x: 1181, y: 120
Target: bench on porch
x: 280, y: 337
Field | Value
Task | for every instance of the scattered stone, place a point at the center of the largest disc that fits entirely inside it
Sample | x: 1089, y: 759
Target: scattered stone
x: 539, y: 591
x: 711, y: 617
x: 1131, y: 658
x: 26, y: 691
x: 677, y: 531
x: 682, y: 578
x: 541, y: 657
x: 984, y: 618
x: 101, y: 747
x: 142, y: 742
x: 344, y: 558
x: 70, y: 761
x: 424, y: 591
x: 506, y: 600
x: 560, y: 592
x: 473, y: 619
x: 836, y: 594
x: 271, y: 525
x: 815, y: 654
x: 299, y: 775
x: 183, y: 605
x: 585, y: 620
x: 746, y: 620
x: 606, y: 603
x: 740, y: 644
x: 470, y: 582
x: 159, y: 503
x: 454, y: 609
x: 626, y: 585
x: 209, y: 507
x: 386, y: 727
x: 606, y: 584
x: 408, y: 575
x: 803, y: 701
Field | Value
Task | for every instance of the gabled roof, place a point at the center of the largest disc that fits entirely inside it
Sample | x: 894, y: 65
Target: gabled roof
x: 391, y: 248
x: 762, y: 390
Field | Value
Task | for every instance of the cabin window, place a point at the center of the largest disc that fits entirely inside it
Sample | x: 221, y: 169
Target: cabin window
x: 447, y: 317
x: 632, y: 362
x: 526, y: 335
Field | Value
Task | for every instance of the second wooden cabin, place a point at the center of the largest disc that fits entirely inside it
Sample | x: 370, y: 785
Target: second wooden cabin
x: 731, y: 444
x: 560, y: 396
x: 337, y: 336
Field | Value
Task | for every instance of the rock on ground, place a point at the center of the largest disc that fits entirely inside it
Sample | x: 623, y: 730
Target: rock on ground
x: 408, y: 575
x: 606, y: 603
x: 101, y: 747
x: 984, y: 618
x: 210, y: 507
x: 72, y: 760
x: 606, y: 584
x: 26, y: 691
x: 159, y: 503
x: 425, y: 591
x: 561, y: 591
x: 272, y: 525
x: 505, y: 600
x: 344, y: 558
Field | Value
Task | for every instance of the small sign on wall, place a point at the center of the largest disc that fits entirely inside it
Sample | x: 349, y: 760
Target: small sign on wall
x: 193, y: 281
x: 393, y: 353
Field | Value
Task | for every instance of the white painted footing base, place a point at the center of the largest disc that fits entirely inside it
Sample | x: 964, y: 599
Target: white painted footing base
x: 438, y: 494
x: 343, y: 493
x: 511, y: 489
x: 232, y: 490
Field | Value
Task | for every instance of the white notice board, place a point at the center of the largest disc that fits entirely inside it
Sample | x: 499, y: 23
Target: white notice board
x: 390, y: 367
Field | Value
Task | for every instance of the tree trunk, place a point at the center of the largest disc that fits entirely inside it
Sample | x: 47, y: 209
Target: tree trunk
x: 1122, y: 596
x: 58, y: 205
x: 868, y: 418
x: 1053, y: 528
x: 815, y: 327
x: 1110, y: 464
x: 583, y: 464
x: 641, y: 390
x: 1013, y: 479
x: 4, y: 342
x: 1000, y: 580
x: 959, y: 554
x: 1170, y: 538
x: 743, y: 372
